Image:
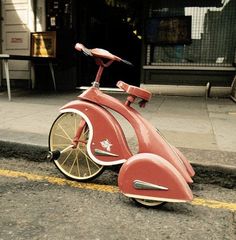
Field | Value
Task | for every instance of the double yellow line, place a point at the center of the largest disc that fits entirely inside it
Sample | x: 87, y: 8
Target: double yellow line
x: 105, y: 188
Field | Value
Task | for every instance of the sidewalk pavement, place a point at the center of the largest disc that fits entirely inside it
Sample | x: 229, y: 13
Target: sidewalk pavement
x: 203, y: 129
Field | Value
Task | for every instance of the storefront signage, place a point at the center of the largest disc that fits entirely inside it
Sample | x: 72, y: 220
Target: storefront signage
x: 16, y: 40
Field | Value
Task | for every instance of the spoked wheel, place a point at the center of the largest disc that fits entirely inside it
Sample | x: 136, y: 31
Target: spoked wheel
x: 148, y: 203
x: 74, y: 163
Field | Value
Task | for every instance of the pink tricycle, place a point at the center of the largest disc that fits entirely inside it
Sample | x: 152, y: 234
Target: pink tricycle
x: 87, y: 137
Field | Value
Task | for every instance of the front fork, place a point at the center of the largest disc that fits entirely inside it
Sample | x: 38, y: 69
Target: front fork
x: 55, y: 154
x: 76, y: 139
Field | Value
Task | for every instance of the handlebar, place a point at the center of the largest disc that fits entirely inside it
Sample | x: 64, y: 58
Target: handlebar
x: 100, y: 53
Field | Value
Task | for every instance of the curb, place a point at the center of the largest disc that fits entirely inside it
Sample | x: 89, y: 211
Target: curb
x: 221, y: 175
x: 26, y: 151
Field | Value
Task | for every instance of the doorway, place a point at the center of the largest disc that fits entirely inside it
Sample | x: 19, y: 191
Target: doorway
x: 114, y: 26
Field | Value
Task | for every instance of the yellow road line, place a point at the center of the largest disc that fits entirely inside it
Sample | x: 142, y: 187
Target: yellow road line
x: 106, y: 188
x: 214, y: 204
x: 59, y: 181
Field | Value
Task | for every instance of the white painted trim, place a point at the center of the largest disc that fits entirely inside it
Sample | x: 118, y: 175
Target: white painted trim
x: 2, y: 56
x: 84, y: 116
x: 102, y: 89
x: 153, y: 198
x: 177, y: 67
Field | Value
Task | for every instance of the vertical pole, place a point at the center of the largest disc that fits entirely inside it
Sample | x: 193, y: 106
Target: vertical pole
x: 35, y: 3
x: 5, y: 61
x: 32, y: 72
x: 233, y: 89
x: 53, y: 75
x: 99, y: 73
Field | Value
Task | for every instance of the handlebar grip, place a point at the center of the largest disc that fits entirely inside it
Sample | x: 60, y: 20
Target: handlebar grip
x: 122, y: 85
x: 127, y: 62
x: 80, y: 47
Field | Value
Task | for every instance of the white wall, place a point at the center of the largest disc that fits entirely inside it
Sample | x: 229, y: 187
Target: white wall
x: 17, y: 24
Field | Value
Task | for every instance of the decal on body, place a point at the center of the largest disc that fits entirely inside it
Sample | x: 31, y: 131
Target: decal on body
x: 106, y: 145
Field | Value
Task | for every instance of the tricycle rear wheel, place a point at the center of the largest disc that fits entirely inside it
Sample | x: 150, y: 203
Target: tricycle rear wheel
x: 148, y: 203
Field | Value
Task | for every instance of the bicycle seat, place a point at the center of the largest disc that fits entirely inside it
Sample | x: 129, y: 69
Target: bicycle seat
x: 135, y: 91
x: 100, y: 53
x: 97, y: 52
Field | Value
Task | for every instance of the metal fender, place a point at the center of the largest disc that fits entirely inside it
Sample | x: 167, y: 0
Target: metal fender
x: 106, y: 144
x: 185, y: 161
x: 148, y: 176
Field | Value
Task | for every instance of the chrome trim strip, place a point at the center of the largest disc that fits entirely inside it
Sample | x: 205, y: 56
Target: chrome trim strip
x: 141, y: 185
x: 101, y: 153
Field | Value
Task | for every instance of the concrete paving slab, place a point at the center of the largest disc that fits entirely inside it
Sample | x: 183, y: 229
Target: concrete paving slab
x: 196, y: 140
x: 222, y: 105
x: 190, y: 125
x: 184, y: 106
x: 225, y: 131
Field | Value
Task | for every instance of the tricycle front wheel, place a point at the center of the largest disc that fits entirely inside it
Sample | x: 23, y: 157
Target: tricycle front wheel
x: 74, y: 163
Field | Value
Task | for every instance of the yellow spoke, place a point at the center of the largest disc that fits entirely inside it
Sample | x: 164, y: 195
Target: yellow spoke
x: 89, y: 158
x: 73, y: 164
x: 88, y: 165
x: 60, y: 144
x: 77, y: 161
x: 66, y: 158
x: 86, y: 158
x: 62, y: 136
x: 65, y: 132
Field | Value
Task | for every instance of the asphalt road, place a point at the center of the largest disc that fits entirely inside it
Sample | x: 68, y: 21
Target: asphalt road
x: 36, y: 202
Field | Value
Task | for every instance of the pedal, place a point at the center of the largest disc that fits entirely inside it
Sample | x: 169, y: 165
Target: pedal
x: 53, y: 155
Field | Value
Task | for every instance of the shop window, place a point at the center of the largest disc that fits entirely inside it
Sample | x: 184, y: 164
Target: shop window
x: 213, y: 36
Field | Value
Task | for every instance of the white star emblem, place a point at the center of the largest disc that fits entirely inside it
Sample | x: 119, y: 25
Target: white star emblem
x: 106, y: 145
